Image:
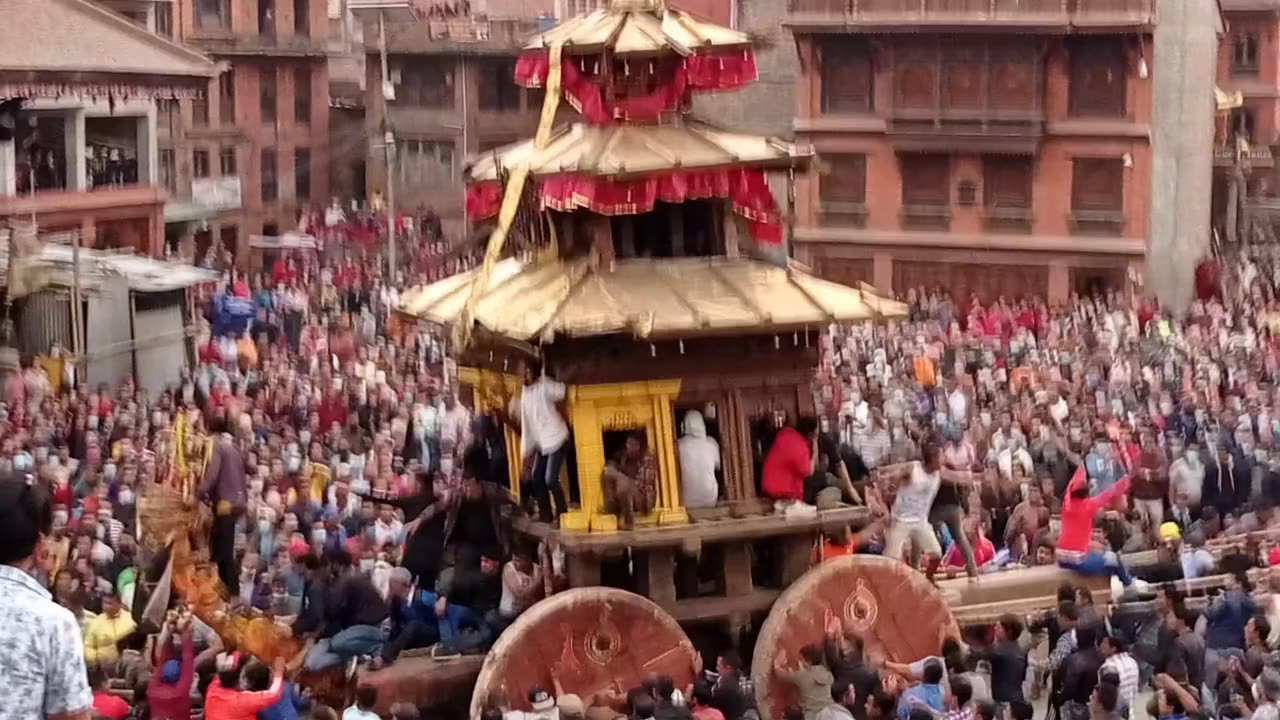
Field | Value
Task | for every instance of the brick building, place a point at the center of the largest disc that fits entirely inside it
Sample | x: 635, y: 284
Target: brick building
x: 454, y: 95
x: 989, y: 146
x: 78, y: 140
x: 263, y: 127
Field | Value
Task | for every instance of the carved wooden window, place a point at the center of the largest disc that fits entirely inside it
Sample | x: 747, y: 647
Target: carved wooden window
x: 1098, y: 78
x: 926, y: 191
x: 915, y: 78
x: 926, y: 179
x: 842, y: 189
x: 1097, y: 195
x: 1244, y: 55
x: 962, y: 77
x: 1006, y: 191
x: 1015, y: 78
x: 848, y: 84
x: 1007, y: 182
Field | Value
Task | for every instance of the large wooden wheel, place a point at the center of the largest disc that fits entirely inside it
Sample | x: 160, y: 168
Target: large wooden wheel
x: 593, y: 639
x: 898, y: 614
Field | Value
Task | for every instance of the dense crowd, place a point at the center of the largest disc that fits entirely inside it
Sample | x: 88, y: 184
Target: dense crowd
x: 359, y: 504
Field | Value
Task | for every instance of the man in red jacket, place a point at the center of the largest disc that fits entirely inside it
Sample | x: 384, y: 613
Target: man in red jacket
x: 789, y: 462
x: 1075, y: 551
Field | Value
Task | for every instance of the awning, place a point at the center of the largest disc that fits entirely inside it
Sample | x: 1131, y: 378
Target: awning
x: 638, y: 27
x: 287, y: 241
x: 178, y: 211
x: 678, y: 297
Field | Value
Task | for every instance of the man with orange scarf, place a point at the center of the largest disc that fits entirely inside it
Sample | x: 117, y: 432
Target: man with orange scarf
x: 1075, y: 550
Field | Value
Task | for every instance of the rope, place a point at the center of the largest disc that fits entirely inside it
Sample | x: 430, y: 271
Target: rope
x: 511, y: 195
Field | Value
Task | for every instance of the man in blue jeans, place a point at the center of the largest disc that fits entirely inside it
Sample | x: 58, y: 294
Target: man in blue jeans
x: 353, y: 619
x: 544, y: 438
x: 467, y: 599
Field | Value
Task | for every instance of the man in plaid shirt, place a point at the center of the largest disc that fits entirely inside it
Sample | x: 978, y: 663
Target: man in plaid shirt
x: 1119, y: 661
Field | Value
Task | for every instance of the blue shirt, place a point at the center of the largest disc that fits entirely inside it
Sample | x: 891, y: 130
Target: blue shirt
x: 288, y: 707
x: 930, y: 695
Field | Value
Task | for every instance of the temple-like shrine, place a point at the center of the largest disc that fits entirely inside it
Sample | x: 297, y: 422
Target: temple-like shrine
x: 639, y: 252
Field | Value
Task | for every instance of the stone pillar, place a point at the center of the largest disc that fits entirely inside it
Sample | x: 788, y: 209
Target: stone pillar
x: 8, y: 169
x: 1182, y: 137
x: 882, y: 273
x: 148, y: 149
x: 74, y: 144
x: 1059, y: 284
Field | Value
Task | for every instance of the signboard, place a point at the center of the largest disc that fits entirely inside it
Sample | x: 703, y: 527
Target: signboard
x: 220, y: 193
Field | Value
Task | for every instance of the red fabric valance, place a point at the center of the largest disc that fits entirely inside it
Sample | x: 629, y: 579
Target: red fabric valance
x: 725, y: 69
x: 746, y: 188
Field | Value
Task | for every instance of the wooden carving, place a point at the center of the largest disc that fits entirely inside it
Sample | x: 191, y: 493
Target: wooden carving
x: 898, y: 614
x: 596, y: 641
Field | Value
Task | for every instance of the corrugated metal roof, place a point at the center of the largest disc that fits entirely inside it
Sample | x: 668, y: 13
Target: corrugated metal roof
x: 679, y: 297
x: 630, y: 149
x: 144, y: 274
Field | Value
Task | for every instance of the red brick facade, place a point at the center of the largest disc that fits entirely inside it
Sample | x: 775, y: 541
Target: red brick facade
x: 1013, y: 161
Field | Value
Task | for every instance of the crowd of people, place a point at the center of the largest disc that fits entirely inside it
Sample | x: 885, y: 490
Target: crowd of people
x: 357, y: 502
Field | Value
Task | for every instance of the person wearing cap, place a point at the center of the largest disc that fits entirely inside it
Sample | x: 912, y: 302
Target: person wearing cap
x: 1196, y: 560
x: 169, y: 690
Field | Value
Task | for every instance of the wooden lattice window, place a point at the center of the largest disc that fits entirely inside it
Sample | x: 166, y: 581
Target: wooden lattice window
x: 1097, y: 195
x: 1098, y: 78
x: 842, y: 189
x: 848, y: 77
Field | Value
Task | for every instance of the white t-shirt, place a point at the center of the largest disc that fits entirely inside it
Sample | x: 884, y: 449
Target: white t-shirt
x: 916, y: 496
x: 541, y: 426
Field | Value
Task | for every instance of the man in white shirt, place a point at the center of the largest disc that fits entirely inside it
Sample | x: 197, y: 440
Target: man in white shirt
x: 544, y: 436
x: 920, y: 481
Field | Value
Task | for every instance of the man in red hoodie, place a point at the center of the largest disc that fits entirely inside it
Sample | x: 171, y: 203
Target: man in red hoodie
x: 789, y: 462
x: 1075, y: 550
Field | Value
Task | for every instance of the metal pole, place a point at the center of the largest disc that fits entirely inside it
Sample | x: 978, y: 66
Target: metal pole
x: 388, y: 151
x: 77, y: 310
x: 466, y: 148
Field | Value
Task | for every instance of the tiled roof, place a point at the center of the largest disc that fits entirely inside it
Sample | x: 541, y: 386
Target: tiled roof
x: 82, y: 43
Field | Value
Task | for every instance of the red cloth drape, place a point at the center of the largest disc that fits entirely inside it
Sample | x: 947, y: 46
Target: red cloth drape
x: 746, y: 188
x: 724, y: 69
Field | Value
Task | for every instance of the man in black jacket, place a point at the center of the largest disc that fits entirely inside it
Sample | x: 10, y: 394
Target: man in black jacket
x: 729, y: 695
x: 353, y: 619
x: 1079, y: 674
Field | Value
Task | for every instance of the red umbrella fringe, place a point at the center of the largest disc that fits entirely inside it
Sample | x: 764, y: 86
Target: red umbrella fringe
x: 726, y: 69
x: 747, y: 189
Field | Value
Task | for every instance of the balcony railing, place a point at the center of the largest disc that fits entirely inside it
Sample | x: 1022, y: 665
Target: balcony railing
x: 972, y: 12
x: 1257, y: 156
x: 266, y: 44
